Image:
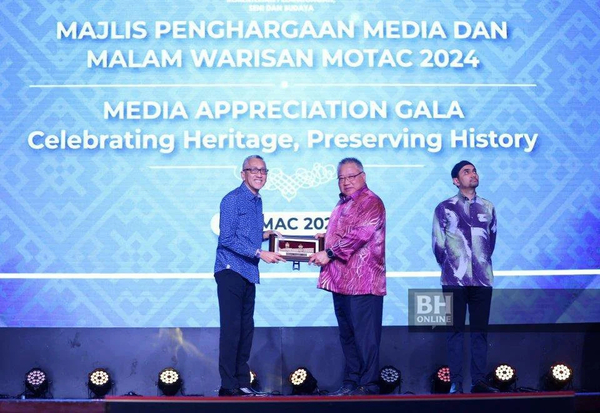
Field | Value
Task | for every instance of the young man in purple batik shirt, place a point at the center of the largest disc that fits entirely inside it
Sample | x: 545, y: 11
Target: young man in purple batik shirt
x: 464, y: 237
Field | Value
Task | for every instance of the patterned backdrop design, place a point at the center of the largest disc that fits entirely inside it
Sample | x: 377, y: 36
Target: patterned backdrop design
x: 106, y: 211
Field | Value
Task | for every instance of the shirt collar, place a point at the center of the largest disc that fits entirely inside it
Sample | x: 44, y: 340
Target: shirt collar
x: 248, y: 194
x: 355, y: 195
x: 465, y: 199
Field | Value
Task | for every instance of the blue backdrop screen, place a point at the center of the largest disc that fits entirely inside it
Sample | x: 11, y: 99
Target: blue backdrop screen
x: 123, y: 124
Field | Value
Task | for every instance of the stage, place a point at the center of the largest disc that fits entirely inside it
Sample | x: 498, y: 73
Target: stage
x: 562, y: 402
x: 134, y: 357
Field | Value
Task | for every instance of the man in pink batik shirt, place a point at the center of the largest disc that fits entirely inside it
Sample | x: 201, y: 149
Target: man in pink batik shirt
x: 353, y: 269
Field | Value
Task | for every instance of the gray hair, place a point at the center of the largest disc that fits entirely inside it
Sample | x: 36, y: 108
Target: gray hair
x: 247, y: 160
x: 350, y: 160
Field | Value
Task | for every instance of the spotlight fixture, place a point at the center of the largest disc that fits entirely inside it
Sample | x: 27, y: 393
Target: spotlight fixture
x: 389, y: 379
x: 302, y: 381
x: 504, y: 377
x: 441, y: 380
x: 36, y: 382
x: 99, y: 383
x: 559, y: 377
x: 169, y: 381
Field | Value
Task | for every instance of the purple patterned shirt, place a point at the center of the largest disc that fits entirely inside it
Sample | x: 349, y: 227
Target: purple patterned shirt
x: 356, y: 235
x: 464, y: 237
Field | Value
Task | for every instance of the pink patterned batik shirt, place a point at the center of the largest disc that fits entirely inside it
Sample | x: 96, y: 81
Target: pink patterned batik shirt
x: 356, y: 235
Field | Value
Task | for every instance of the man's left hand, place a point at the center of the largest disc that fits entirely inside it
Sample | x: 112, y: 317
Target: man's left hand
x: 319, y: 258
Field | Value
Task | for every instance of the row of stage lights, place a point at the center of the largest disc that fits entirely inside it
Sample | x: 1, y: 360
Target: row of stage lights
x: 503, y: 377
x: 559, y: 377
x: 99, y: 383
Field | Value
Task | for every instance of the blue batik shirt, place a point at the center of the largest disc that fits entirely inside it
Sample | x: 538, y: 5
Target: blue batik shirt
x: 241, y: 233
x: 464, y: 237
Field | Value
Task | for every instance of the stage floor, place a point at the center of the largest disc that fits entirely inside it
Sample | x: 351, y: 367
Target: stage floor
x: 562, y: 402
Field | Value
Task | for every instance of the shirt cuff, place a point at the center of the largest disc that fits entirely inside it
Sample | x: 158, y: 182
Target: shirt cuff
x: 336, y: 250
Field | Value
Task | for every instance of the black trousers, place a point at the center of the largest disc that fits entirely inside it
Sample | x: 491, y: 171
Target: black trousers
x: 359, y: 319
x: 478, y: 300
x: 236, y: 312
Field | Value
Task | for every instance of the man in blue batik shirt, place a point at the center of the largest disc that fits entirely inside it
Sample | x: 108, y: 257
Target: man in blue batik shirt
x: 236, y: 272
x: 464, y: 237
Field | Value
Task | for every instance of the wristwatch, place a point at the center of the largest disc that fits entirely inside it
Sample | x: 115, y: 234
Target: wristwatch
x: 330, y: 253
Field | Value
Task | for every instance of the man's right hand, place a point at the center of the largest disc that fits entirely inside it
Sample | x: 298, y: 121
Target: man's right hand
x: 271, y: 257
x: 320, y: 235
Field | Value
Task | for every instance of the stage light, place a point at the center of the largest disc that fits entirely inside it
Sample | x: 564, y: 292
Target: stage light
x: 559, y: 377
x: 36, y: 381
x: 99, y: 383
x: 441, y: 380
x: 504, y: 377
x: 389, y: 379
x: 169, y: 381
x: 561, y: 372
x: 302, y: 381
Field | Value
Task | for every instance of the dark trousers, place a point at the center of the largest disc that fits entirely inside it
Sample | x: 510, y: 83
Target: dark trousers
x: 236, y: 312
x: 478, y: 299
x: 359, y: 321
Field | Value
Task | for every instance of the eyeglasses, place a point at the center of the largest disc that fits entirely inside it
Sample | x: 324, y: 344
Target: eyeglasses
x: 256, y: 171
x: 350, y: 178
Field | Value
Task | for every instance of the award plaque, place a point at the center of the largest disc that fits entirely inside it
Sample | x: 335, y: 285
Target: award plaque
x: 296, y: 247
